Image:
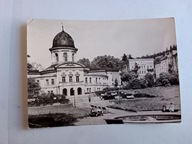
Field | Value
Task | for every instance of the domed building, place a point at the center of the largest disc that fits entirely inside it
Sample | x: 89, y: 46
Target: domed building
x: 65, y: 76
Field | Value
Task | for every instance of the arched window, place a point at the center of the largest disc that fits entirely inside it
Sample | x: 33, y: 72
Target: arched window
x: 65, y: 56
x: 65, y: 91
x: 57, y: 57
x: 72, y: 92
x: 79, y: 91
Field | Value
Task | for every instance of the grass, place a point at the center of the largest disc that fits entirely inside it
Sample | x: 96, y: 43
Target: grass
x: 164, y: 96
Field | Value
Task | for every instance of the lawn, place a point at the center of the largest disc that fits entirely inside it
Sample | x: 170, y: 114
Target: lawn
x: 163, y: 96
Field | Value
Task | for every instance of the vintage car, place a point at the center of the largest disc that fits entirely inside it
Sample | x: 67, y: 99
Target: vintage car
x: 96, y: 111
x: 126, y: 95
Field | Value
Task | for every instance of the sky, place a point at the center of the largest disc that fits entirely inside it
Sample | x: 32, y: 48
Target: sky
x: 98, y: 38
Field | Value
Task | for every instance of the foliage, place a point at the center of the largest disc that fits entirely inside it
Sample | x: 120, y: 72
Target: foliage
x: 165, y: 82
x: 167, y: 79
x: 106, y: 62
x: 170, y: 69
x: 174, y: 79
x: 125, y: 58
x: 150, y: 79
x: 136, y: 68
x: 116, y: 83
x: 138, y: 84
x: 171, y: 48
x: 85, y: 62
x: 51, y: 120
x: 128, y: 76
x: 33, y: 87
x: 29, y: 66
x: 163, y: 79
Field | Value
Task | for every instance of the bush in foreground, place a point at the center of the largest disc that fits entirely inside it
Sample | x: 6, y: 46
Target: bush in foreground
x: 51, y: 120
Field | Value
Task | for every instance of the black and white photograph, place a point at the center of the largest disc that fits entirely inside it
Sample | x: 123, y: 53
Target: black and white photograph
x: 102, y: 72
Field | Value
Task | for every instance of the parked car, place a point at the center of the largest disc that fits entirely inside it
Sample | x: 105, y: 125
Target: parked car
x: 126, y: 95
x: 96, y: 112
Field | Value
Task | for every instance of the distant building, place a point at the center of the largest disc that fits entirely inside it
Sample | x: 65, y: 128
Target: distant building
x: 166, y: 62
x: 65, y: 76
x: 145, y: 66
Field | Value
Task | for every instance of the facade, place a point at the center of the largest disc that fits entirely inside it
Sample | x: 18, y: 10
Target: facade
x: 145, y: 66
x: 65, y: 76
x: 162, y: 63
x: 166, y: 62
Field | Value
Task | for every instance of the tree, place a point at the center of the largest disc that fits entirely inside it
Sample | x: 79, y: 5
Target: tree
x: 164, y: 79
x: 116, y: 83
x: 174, y: 79
x: 136, y: 68
x: 138, y: 83
x: 170, y: 69
x: 85, y: 62
x: 33, y: 87
x: 130, y: 56
x: 29, y: 66
x: 163, y: 75
x: 125, y: 61
x: 128, y: 76
x: 106, y: 62
x: 125, y: 58
x: 150, y: 79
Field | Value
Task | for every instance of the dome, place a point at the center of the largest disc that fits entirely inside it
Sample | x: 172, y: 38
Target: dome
x: 63, y: 39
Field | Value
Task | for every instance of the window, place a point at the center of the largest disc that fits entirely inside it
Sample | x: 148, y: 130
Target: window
x: 52, y: 81
x: 63, y: 79
x: 37, y: 81
x: 90, y: 80
x: 65, y: 57
x: 57, y: 57
x: 88, y: 89
x: 47, y: 81
x: 86, y: 80
x: 77, y: 78
x: 96, y: 80
x: 70, y: 78
x: 73, y: 57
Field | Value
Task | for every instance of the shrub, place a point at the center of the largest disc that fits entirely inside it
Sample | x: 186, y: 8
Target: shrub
x: 138, y: 84
x: 158, y: 82
x: 150, y: 79
x: 173, y: 79
x: 167, y: 79
x: 165, y: 82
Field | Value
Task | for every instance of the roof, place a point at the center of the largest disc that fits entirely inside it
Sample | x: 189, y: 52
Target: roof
x: 34, y: 72
x: 63, y: 40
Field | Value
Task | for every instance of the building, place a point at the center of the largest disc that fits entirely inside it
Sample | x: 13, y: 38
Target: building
x: 144, y: 66
x: 65, y: 76
x: 167, y: 62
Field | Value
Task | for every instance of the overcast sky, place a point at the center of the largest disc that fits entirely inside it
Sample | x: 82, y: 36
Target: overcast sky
x: 97, y: 38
